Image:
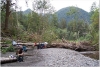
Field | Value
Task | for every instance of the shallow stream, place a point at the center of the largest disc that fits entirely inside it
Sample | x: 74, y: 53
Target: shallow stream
x: 91, y: 54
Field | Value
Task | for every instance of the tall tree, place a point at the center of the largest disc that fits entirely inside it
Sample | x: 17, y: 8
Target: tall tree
x: 93, y: 8
x: 94, y: 27
x: 7, y: 5
x: 42, y: 7
x: 8, y: 10
x: 63, y: 24
x: 54, y: 21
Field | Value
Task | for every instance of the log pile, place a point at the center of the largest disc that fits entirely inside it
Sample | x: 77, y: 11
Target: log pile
x: 81, y: 46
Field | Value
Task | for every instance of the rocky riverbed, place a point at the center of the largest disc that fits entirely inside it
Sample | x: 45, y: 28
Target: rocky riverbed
x: 54, y: 57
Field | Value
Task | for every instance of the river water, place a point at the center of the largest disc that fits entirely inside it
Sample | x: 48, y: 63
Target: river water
x: 91, y: 54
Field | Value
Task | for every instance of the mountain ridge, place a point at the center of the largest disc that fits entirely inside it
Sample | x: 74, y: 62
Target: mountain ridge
x: 62, y: 14
x: 82, y: 14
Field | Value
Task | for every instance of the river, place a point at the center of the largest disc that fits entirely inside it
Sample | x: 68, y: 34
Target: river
x: 91, y: 54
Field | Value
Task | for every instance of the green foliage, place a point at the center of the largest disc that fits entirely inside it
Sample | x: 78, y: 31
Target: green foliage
x: 96, y: 39
x: 2, y: 16
x: 41, y: 6
x: 95, y: 20
x: 40, y: 25
x: 88, y: 37
x: 77, y: 28
x: 10, y: 49
x: 94, y: 27
x: 49, y: 34
x: 93, y: 7
x: 3, y: 50
x: 23, y: 36
x: 62, y: 24
x: 54, y: 21
x: 6, y: 40
x: 62, y: 33
x: 71, y: 13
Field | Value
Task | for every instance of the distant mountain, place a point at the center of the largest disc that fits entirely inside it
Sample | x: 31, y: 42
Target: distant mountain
x: 62, y: 14
x: 80, y: 14
x: 27, y: 11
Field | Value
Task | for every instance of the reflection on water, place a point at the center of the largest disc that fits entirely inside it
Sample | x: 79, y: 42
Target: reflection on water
x: 91, y: 54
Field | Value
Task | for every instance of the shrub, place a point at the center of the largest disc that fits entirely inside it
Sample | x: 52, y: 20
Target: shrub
x: 3, y: 50
x: 88, y: 37
x: 10, y: 48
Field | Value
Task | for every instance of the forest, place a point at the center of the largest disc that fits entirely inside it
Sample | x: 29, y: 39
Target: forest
x: 42, y: 24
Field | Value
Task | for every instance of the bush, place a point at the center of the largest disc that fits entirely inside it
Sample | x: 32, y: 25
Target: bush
x: 8, y: 41
x: 3, y: 50
x: 88, y: 37
x: 10, y: 49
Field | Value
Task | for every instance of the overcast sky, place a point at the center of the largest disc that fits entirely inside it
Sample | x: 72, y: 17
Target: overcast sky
x: 58, y: 4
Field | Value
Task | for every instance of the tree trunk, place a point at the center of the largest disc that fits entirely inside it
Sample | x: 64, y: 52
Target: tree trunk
x: 7, y: 14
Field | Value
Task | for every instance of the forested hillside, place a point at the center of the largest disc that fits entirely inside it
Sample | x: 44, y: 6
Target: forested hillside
x: 78, y: 13
x: 63, y: 14
x: 27, y: 11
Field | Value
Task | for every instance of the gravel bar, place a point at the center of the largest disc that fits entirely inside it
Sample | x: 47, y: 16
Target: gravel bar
x: 55, y: 57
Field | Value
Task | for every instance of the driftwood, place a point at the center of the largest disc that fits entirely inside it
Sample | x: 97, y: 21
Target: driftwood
x: 7, y: 60
x: 4, y: 45
x: 72, y: 45
x: 27, y: 44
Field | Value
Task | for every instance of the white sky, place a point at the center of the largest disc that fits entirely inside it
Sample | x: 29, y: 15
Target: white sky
x: 58, y: 4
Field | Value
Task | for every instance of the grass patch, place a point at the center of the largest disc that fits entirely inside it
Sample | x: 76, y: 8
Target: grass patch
x: 8, y: 42
x: 9, y: 49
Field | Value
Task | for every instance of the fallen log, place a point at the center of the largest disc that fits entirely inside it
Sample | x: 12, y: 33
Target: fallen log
x: 10, y: 60
x: 7, y: 60
x: 27, y: 44
x: 4, y: 45
x: 73, y: 46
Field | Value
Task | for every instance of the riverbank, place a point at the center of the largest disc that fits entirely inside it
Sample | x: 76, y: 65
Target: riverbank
x: 54, y: 57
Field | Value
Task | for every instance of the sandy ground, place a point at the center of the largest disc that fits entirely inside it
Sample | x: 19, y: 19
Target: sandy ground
x: 54, y: 57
